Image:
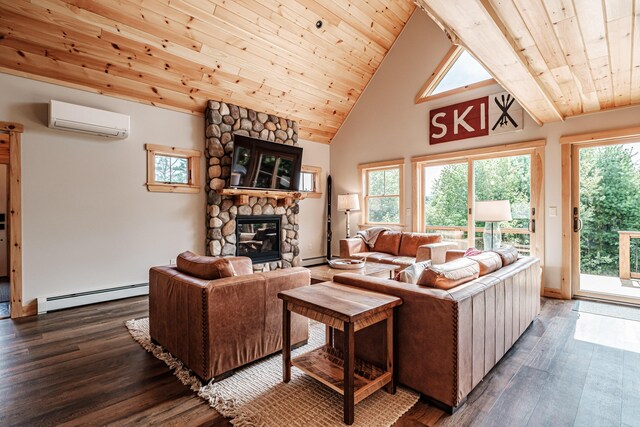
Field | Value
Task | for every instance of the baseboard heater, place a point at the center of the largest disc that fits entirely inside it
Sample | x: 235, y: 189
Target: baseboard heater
x: 59, y: 302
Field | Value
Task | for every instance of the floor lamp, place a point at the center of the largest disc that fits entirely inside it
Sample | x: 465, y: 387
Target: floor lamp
x: 348, y: 203
x: 492, y: 212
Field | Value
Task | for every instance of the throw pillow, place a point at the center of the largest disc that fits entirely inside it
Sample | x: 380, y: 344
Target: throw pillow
x: 204, y: 267
x: 388, y: 242
x: 488, y: 262
x: 450, y: 274
x: 412, y: 273
x: 508, y: 254
x: 472, y: 252
x: 225, y: 268
x: 242, y: 265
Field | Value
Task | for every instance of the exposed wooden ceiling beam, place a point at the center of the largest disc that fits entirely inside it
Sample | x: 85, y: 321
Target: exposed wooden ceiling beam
x: 475, y: 25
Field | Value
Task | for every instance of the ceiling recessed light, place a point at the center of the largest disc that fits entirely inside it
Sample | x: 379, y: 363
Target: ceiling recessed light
x: 319, y: 24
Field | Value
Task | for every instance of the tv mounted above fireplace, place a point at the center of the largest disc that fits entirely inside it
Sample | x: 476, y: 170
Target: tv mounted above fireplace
x: 260, y: 164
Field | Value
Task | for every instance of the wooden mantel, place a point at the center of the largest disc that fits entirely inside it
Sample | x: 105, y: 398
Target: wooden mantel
x: 241, y: 195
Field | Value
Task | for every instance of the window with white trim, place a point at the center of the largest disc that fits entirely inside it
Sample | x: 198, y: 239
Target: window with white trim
x: 383, y: 188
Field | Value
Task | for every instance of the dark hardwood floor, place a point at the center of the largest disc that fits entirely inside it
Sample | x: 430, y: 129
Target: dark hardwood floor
x: 81, y: 367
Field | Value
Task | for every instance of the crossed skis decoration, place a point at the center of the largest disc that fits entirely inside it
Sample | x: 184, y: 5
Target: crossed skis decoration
x: 504, y: 107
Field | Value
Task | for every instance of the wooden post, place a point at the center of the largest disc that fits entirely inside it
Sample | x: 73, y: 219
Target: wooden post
x: 391, y: 386
x: 348, y: 373
x: 624, y: 254
x: 286, y: 343
x: 15, y: 220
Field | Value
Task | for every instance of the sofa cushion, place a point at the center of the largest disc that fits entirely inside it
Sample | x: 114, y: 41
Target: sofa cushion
x: 403, y: 261
x: 488, y: 262
x: 204, y: 267
x: 451, y: 274
x: 411, y: 241
x: 242, y: 265
x: 388, y: 242
x: 412, y: 273
x: 371, y: 256
x: 508, y: 254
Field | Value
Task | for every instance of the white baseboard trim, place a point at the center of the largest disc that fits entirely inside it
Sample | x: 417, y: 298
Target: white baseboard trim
x: 59, y: 302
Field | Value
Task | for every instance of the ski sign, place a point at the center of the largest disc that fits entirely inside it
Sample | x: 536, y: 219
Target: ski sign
x: 488, y: 115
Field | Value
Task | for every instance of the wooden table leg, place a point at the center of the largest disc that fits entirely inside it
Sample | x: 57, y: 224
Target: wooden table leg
x: 286, y: 343
x: 329, y: 340
x: 391, y: 386
x: 348, y: 373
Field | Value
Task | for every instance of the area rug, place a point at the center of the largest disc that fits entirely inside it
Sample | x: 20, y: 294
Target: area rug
x: 607, y: 309
x: 256, y: 396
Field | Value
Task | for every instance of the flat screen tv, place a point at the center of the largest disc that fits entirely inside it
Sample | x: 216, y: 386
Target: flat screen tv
x: 265, y: 165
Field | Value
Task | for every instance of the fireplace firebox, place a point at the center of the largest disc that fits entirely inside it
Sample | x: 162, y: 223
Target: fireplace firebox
x: 258, y: 237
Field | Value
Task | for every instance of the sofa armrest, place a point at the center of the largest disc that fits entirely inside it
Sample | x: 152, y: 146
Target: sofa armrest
x: 351, y: 246
x: 278, y: 281
x: 425, y: 331
x: 177, y: 316
x: 454, y: 254
x: 435, y: 252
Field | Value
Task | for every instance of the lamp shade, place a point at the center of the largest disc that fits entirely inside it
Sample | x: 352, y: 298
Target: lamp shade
x: 348, y: 202
x: 493, y: 210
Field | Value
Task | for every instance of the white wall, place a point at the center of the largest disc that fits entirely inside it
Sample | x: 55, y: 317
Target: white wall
x: 88, y: 220
x: 386, y: 124
x: 313, y: 211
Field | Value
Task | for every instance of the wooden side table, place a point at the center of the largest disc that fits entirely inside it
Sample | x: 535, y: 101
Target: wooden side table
x: 347, y: 309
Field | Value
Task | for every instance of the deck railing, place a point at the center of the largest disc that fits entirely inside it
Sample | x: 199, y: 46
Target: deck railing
x: 624, y: 255
x: 457, y: 234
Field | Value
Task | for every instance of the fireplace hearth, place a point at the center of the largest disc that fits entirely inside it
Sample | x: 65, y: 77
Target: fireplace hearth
x: 258, y: 237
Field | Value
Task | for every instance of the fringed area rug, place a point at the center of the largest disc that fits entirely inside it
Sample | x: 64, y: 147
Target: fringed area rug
x: 256, y: 396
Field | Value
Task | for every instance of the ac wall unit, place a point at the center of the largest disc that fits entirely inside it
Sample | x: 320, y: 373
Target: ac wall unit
x: 77, y: 118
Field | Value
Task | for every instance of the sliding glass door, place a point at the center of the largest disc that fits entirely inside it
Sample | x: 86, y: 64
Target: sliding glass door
x: 606, y: 221
x: 448, y: 189
x: 445, y: 201
x: 506, y: 178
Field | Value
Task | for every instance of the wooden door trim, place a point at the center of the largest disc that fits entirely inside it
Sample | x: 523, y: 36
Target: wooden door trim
x: 567, y: 222
x: 538, y: 201
x: 570, y: 144
x: 14, y: 132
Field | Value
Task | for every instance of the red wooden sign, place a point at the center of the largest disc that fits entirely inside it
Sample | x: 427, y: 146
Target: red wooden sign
x: 479, y: 117
x: 459, y: 121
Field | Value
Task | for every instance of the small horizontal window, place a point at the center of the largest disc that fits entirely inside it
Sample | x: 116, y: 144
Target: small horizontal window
x: 310, y: 181
x: 172, y: 170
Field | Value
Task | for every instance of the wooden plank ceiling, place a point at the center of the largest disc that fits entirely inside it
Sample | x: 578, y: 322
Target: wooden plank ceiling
x: 559, y: 58
x: 264, y: 54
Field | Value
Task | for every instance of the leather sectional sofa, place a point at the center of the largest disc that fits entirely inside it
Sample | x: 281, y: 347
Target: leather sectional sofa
x: 215, y: 324
x: 448, y: 340
x: 399, y: 248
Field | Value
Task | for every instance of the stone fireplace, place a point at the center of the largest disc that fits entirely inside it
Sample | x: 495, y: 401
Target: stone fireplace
x: 226, y: 212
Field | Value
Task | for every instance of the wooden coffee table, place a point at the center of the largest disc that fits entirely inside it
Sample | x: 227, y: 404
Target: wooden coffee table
x: 325, y: 273
x: 347, y: 309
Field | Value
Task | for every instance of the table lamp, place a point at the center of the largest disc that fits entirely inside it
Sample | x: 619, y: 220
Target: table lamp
x: 492, y: 212
x: 348, y: 203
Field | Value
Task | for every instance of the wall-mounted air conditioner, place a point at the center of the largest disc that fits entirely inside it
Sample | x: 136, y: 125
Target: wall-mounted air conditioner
x: 76, y: 118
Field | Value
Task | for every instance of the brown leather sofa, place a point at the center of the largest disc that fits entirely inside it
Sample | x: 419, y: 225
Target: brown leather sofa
x: 215, y: 326
x: 448, y: 340
x: 399, y: 248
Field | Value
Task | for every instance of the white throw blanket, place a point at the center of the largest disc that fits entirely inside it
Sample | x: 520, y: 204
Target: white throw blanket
x: 370, y: 235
